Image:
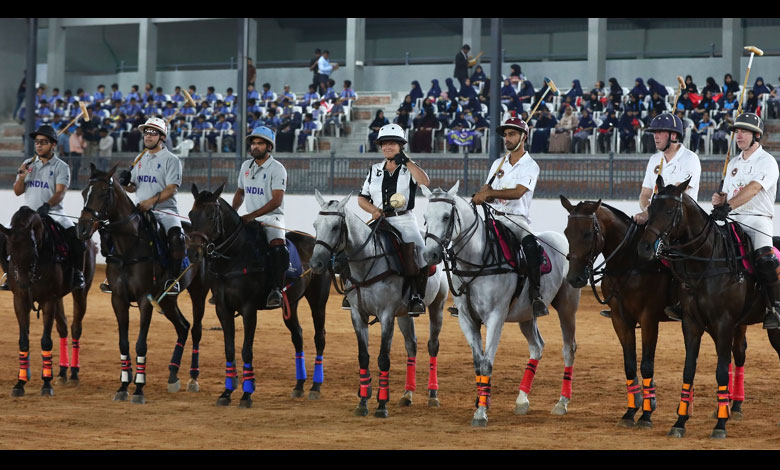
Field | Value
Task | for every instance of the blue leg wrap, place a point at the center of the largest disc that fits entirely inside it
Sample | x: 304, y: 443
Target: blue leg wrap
x: 319, y: 373
x: 230, y: 376
x: 300, y: 366
x: 249, y: 379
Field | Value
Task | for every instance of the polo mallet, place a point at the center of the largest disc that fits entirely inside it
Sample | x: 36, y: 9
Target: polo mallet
x: 753, y: 51
x: 83, y: 112
x: 156, y: 303
x: 168, y: 120
x: 679, y: 92
x: 473, y: 61
x: 550, y: 87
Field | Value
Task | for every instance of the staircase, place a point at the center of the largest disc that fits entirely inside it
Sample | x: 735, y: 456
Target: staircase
x: 11, y: 138
x: 771, y: 140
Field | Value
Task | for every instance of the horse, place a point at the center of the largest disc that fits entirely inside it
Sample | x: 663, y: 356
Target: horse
x: 38, y: 276
x: 377, y: 289
x: 637, y: 292
x: 716, y: 296
x: 235, y: 257
x: 483, y: 294
x: 135, y: 272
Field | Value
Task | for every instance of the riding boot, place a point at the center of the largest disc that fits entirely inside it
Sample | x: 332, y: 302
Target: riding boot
x: 4, y: 264
x: 418, y: 285
x: 768, y: 273
x: 533, y: 256
x: 176, y: 249
x: 345, y: 304
x: 280, y: 261
x: 77, y: 249
x: 674, y: 312
x: 106, y: 246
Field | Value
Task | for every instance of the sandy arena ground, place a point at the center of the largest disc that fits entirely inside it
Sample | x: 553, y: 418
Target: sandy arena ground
x: 85, y: 417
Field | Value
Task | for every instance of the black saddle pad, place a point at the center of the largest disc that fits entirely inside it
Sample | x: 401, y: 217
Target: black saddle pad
x: 391, y: 240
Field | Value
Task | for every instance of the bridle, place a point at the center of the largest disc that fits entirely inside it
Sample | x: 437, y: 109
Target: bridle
x: 217, y: 228
x: 102, y: 217
x: 663, y: 236
x: 454, y: 217
x: 32, y: 273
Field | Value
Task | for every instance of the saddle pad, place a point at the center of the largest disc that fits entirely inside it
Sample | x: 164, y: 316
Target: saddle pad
x: 431, y: 270
x: 546, y: 266
x: 296, y: 268
x: 746, y: 262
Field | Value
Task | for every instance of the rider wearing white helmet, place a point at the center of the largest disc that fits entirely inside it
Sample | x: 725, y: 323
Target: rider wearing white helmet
x: 748, y: 197
x: 397, y: 174
x: 262, y: 182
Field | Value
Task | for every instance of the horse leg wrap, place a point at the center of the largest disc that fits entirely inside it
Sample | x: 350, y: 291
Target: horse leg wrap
x: 483, y: 391
x: 46, y: 359
x: 738, y: 386
x: 566, y: 385
x: 178, y: 351
x: 231, y: 378
x: 528, y: 375
x: 249, y: 379
x: 194, y: 368
x: 76, y: 347
x: 365, y: 384
x: 127, y: 369
x: 64, y: 359
x: 633, y: 388
x: 648, y: 395
x: 140, y: 370
x: 433, y: 374
x: 300, y: 366
x: 319, y: 372
x: 411, y: 374
x: 384, y: 386
x: 723, y: 402
x: 24, y: 366
x: 686, y: 401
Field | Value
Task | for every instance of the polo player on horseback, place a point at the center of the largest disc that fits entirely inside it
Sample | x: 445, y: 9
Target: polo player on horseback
x: 509, y: 191
x: 44, y: 179
x: 398, y: 175
x: 262, y: 182
x: 748, y: 198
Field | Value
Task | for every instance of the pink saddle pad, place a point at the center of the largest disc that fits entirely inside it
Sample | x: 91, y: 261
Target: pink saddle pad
x: 743, y: 253
x: 546, y: 266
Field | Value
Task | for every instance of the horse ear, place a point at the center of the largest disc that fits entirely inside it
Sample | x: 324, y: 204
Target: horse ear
x: 598, y: 204
x: 453, y: 190
x: 343, y: 202
x: 92, y: 169
x: 684, y: 185
x: 219, y: 190
x: 195, y: 191
x: 319, y: 198
x: 112, y: 170
x: 566, y: 204
x: 659, y: 182
x: 426, y: 192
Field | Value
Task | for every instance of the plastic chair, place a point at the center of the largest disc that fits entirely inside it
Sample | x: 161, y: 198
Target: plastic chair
x: 314, y: 137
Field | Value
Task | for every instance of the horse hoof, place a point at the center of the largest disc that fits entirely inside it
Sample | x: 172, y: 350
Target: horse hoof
x: 47, y: 392
x: 626, y: 423
x: 73, y: 382
x: 479, y: 422
x: 174, y: 387
x: 676, y: 432
x: 406, y: 399
x: 223, y: 401
x: 643, y: 424
x: 737, y: 415
x: 522, y: 408
x: 361, y: 411
x: 560, y: 409
x: 718, y: 434
x: 193, y: 386
x: 379, y: 413
x: 245, y: 403
x: 138, y: 400
x: 17, y: 392
x: 314, y: 395
x: 433, y: 402
x: 121, y: 396
x: 61, y: 381
x: 296, y: 394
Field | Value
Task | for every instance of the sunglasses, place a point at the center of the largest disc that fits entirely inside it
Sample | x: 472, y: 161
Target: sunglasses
x: 151, y: 132
x: 42, y: 142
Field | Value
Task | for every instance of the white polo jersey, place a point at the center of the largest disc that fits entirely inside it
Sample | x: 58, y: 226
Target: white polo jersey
x: 258, y: 182
x: 380, y: 185
x: 40, y: 184
x: 685, y: 164
x: 153, y: 173
x: 524, y: 172
x: 760, y: 167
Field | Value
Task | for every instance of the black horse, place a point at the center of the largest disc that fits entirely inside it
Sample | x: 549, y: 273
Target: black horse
x: 716, y: 295
x: 37, y: 275
x: 134, y: 270
x: 636, y: 290
x: 235, y: 257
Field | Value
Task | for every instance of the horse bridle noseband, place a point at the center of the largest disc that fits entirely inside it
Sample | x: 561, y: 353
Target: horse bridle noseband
x: 212, y: 250
x: 663, y: 236
x: 341, y: 245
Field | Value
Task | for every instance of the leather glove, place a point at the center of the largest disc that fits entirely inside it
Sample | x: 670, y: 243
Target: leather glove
x: 44, y: 209
x: 124, y: 178
x: 721, y: 212
x: 400, y: 158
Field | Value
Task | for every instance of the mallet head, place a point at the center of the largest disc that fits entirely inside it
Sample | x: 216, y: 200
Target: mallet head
x: 681, y: 81
x: 189, y: 98
x: 552, y: 86
x: 754, y: 50
x: 84, y: 111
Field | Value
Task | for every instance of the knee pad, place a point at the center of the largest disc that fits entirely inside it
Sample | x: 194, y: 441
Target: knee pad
x: 531, y: 247
x: 176, y: 238
x: 766, y: 263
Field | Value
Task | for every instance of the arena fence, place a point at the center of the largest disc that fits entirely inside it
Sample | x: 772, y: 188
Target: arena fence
x: 575, y: 176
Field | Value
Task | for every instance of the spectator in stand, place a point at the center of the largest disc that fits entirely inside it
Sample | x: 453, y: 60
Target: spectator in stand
x: 57, y: 123
x: 132, y: 107
x: 712, y: 87
x: 252, y: 107
x: 77, y: 146
x: 105, y: 148
x: 509, y: 96
x: 416, y: 91
x: 251, y: 72
x: 313, y: 63
x: 325, y: 66
x: 654, y: 87
x: 150, y: 110
x: 560, y: 138
x: 230, y: 98
x: 335, y: 116
x: 348, y: 94
x: 100, y: 94
x: 221, y: 108
x: 407, y: 104
x: 575, y: 92
x: 701, y: 130
x: 684, y: 103
x: 542, y: 95
x: 435, y: 90
x: 720, y: 138
x: 286, y: 94
x: 461, y: 71
x: 186, y: 110
x: 442, y: 103
x: 658, y: 103
x: 478, y: 76
x: 402, y: 119
x: 148, y: 92
x: 178, y: 129
x: 310, y: 96
x: 516, y: 74
x: 115, y: 93
x: 594, y: 104
x: 567, y: 103
x: 451, y: 90
x: 467, y: 92
x: 615, y: 90
x: 204, y: 110
x: 252, y: 121
x: 252, y: 94
x: 526, y: 94
x: 544, y: 125
x: 481, y: 125
x: 68, y: 98
x: 648, y: 138
x: 219, y: 126
x: 285, y: 138
x: 730, y: 85
x: 316, y: 111
x: 330, y: 94
x: 628, y: 124
x: 379, y: 121
x: 706, y: 106
x: 178, y: 96
x: 729, y: 102
x: 639, y: 90
x: 211, y: 95
x: 117, y: 109
x: 133, y: 94
x: 598, y: 88
x: 606, y: 131
x: 759, y: 88
x: 633, y: 106
x: 424, y: 128
x: 267, y: 95
x: 158, y: 97
x: 199, y: 129
x: 307, y: 128
x: 169, y: 110
x: 583, y: 132
x: 773, y: 103
x: 55, y: 95
x: 82, y: 96
x: 194, y: 93
x: 751, y: 103
x: 40, y: 95
x: 690, y: 86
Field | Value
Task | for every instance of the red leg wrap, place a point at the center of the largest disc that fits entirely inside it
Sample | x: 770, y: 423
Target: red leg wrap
x: 433, y: 375
x: 411, y: 374
x: 528, y: 375
x: 64, y: 360
x: 365, y: 384
x: 76, y: 347
x: 566, y: 386
x: 738, y: 387
x: 384, y: 385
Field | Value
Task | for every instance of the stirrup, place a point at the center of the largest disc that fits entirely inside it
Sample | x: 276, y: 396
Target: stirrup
x: 453, y: 311
x: 606, y: 313
x: 673, y: 312
x: 539, y: 308
x: 105, y: 287
x: 772, y: 319
x: 345, y: 304
x: 212, y: 301
x: 4, y: 282
x: 175, y: 289
x: 78, y: 280
x: 416, y: 306
x: 274, y: 299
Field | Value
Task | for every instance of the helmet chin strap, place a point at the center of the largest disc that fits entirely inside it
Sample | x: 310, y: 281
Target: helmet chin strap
x: 670, y: 142
x: 519, y: 143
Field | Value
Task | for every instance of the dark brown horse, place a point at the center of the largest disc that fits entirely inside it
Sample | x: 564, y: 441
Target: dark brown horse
x: 636, y: 290
x: 134, y: 271
x: 234, y: 256
x: 37, y: 275
x: 716, y: 296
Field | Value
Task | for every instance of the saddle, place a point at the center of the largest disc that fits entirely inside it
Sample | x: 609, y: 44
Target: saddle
x: 742, y: 245
x: 399, y: 254
x: 260, y: 259
x: 54, y: 243
x: 511, y: 248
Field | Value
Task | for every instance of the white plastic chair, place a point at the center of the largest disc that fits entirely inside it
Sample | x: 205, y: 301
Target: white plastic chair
x: 184, y: 148
x: 314, y: 137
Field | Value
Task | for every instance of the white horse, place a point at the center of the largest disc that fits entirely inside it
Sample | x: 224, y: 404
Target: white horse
x: 376, y: 290
x: 484, y: 288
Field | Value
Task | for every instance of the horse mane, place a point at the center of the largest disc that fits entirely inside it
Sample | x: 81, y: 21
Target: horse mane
x: 618, y: 213
x: 23, y: 214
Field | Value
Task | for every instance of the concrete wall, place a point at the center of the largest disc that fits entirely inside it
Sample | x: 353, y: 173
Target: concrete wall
x: 13, y: 56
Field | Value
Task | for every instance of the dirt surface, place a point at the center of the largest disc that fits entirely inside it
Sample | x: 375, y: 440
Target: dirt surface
x: 85, y: 417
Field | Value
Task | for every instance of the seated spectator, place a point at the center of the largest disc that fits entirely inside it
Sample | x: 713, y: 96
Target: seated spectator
x: 402, y: 119
x: 720, y: 138
x: 468, y: 92
x: 285, y: 138
x: 228, y: 141
x: 186, y: 109
x: 639, y: 90
x: 307, y: 129
x: 330, y: 94
x: 348, y: 94
x: 272, y: 120
x: 435, y: 90
x: 335, y: 116
x: 729, y: 102
x: 100, y: 94
x: 481, y: 125
x: 178, y: 96
x: 316, y: 111
x: 204, y: 110
x: 230, y: 98
x: 442, y: 102
x: 516, y: 74
x: 526, y: 93
x: 416, y: 92
x: 759, y: 88
x: 267, y: 95
x: 560, y: 138
x: 252, y: 107
x: 379, y: 121
x: 252, y: 121
x: 654, y: 87
x: 211, y: 95
x: 407, y: 104
x: 567, y: 103
x: 132, y: 107
x: 68, y: 97
x: 194, y: 94
x: 424, y: 128
x: 252, y: 94
x: 509, y: 96
x: 478, y: 76
x: 729, y: 85
x: 544, y: 125
x: 583, y: 132
x: 575, y: 92
x: 606, y: 130
x: 115, y: 93
x: 451, y: 90
x: 633, y: 106
x: 594, y: 104
x: 221, y: 108
x: 628, y: 125
x: 148, y: 92
x: 133, y: 94
x: 697, y: 136
x: 310, y: 96
x: 55, y: 95
x: 117, y: 109
x: 199, y: 129
x: 58, y: 107
x: 658, y: 102
x: 158, y: 97
x: 179, y: 129
x: 706, y: 106
x: 615, y: 90
x: 286, y: 94
x: 82, y: 96
x: 713, y: 88
x: 169, y: 110
x: 684, y: 103
x: 751, y: 102
x: 690, y: 86
x: 599, y: 89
